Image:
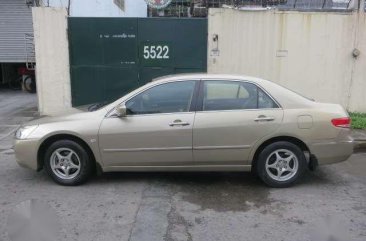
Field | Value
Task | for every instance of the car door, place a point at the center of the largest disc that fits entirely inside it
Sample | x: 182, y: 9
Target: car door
x: 231, y: 117
x: 156, y: 131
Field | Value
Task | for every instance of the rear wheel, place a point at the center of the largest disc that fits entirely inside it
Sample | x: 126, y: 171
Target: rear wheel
x: 68, y: 163
x: 281, y: 164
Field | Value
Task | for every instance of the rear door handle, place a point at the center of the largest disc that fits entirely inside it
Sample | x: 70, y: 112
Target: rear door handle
x: 264, y: 118
x: 179, y: 123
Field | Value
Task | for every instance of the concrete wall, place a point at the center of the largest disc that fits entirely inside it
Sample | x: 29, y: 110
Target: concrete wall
x: 52, y: 58
x: 309, y: 52
x: 357, y: 89
x: 102, y: 8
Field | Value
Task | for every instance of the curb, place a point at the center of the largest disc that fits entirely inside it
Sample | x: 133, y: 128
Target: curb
x: 359, y: 146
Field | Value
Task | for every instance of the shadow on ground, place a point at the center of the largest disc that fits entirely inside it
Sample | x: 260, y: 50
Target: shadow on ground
x: 215, y: 190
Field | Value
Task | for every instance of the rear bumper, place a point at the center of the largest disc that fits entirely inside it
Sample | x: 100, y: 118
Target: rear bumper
x: 26, y: 153
x: 332, y: 152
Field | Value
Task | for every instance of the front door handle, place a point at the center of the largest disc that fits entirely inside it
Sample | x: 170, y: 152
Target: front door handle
x: 264, y: 118
x: 179, y: 123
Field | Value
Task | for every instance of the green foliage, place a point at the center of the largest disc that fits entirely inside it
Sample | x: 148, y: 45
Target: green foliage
x: 358, y: 120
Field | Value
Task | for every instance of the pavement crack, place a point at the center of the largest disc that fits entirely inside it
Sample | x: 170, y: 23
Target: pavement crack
x: 151, y: 218
x: 137, y: 212
x: 178, y: 226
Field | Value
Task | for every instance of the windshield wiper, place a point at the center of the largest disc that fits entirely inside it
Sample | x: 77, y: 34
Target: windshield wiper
x: 97, y: 106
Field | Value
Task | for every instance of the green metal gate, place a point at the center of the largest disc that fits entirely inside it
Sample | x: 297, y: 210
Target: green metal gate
x: 111, y: 56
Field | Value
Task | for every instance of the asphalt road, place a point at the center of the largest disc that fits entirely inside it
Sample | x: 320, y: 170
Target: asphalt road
x: 328, y: 204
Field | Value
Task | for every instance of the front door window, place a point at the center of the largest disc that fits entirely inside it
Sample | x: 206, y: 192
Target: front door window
x: 165, y: 98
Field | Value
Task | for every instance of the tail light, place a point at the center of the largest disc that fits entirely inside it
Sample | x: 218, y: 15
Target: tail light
x: 344, y: 122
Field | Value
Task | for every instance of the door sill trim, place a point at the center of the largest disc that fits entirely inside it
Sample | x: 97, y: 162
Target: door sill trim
x: 190, y: 168
x: 149, y: 149
x: 221, y: 147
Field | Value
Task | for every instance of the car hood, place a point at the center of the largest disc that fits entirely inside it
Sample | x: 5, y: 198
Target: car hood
x: 74, y: 115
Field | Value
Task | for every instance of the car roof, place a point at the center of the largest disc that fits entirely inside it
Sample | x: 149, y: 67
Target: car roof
x: 285, y: 97
x: 205, y: 76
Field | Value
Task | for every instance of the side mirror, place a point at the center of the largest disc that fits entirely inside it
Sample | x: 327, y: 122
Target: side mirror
x: 121, y: 110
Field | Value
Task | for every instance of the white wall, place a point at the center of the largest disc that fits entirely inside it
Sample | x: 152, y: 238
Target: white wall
x: 52, y: 58
x: 102, y: 8
x: 309, y: 52
x: 52, y: 49
x: 357, y: 89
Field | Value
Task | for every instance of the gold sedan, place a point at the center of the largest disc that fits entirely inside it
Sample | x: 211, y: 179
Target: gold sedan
x: 195, y: 122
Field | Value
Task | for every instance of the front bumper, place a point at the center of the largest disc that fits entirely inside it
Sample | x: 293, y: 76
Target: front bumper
x: 332, y: 152
x: 26, y: 153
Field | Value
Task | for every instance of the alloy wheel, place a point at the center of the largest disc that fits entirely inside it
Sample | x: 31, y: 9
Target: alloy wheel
x: 65, y: 163
x: 282, y: 165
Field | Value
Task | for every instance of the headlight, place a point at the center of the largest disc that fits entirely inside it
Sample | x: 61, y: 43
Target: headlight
x: 24, y: 132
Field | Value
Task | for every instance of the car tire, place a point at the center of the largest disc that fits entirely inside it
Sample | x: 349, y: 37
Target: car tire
x: 68, y: 163
x: 29, y: 84
x: 281, y: 164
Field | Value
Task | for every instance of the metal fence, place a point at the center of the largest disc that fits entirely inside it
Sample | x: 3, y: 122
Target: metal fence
x: 199, y: 8
x: 330, y: 5
x: 29, y: 51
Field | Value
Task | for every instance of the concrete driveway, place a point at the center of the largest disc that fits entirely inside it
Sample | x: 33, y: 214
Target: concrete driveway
x: 328, y: 204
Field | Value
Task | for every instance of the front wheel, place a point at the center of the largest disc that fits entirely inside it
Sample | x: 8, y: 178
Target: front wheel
x: 68, y: 163
x: 281, y: 164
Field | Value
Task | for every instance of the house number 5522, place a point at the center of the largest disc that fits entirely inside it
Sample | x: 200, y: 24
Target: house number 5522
x: 156, y: 52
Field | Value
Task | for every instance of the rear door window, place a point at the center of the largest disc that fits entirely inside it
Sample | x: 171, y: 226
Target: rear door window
x: 234, y: 95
